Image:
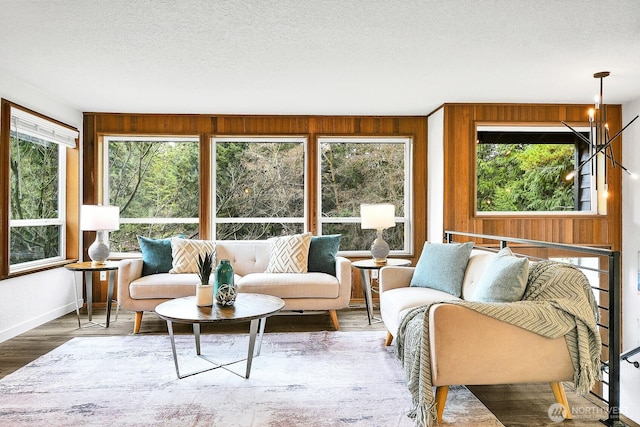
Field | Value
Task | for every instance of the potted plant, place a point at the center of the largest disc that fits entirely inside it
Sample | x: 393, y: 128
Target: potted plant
x: 204, y: 290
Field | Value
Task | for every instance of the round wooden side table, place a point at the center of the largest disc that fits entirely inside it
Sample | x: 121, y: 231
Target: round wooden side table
x: 111, y: 267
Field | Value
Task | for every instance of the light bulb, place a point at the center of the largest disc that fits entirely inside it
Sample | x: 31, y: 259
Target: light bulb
x: 570, y: 175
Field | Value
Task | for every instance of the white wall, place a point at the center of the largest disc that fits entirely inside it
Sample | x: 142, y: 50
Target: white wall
x: 630, y: 376
x: 435, y: 177
x: 34, y: 299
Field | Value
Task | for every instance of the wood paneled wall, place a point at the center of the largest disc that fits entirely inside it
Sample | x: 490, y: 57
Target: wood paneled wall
x: 460, y: 173
x: 205, y: 126
x: 459, y: 149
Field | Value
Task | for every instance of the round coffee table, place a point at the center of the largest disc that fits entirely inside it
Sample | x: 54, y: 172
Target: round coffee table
x: 248, y: 307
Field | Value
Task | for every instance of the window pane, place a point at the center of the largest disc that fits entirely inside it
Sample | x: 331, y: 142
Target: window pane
x: 153, y: 180
x: 34, y: 243
x: 525, y: 171
x: 34, y: 178
x: 34, y: 195
x: 256, y: 231
x: 354, y: 238
x: 257, y: 182
x: 259, y: 179
x: 126, y: 239
x: 354, y: 173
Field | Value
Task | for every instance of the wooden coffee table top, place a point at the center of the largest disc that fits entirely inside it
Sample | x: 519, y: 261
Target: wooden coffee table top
x: 247, y: 307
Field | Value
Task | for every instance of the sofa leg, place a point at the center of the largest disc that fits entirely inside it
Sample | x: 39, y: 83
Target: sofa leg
x: 389, y: 339
x: 561, y: 398
x: 137, y: 321
x: 334, y: 319
x: 441, y: 398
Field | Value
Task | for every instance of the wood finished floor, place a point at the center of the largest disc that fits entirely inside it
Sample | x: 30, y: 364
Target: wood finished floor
x: 513, y: 404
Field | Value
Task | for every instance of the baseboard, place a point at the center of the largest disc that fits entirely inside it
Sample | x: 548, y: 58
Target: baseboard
x: 16, y: 330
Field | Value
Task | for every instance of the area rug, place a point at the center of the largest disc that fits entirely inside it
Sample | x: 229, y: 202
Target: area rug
x: 299, y: 379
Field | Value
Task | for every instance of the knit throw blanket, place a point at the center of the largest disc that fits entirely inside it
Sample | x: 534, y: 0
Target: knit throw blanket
x: 558, y: 301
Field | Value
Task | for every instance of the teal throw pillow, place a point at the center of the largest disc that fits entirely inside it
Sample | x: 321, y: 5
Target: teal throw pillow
x: 442, y: 266
x: 505, y: 279
x: 322, y: 253
x: 156, y: 255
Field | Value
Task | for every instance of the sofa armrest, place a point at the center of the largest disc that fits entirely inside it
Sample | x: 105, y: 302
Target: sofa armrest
x: 343, y: 274
x: 128, y: 271
x: 470, y: 348
x: 393, y: 277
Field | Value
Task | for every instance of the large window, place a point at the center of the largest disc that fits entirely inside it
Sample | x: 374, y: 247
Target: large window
x: 155, y: 183
x: 259, y: 187
x: 354, y: 171
x: 37, y: 183
x: 525, y: 170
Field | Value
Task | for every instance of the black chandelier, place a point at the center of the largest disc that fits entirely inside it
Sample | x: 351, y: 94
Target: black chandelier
x: 599, y: 141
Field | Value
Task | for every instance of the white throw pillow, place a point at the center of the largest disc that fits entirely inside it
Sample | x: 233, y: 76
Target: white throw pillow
x: 289, y: 254
x: 185, y: 254
x: 504, y: 280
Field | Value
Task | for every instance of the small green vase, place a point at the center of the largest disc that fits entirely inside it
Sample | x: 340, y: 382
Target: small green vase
x: 225, y: 290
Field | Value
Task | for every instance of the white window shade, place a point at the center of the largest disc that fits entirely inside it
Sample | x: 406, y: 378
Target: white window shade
x: 24, y: 123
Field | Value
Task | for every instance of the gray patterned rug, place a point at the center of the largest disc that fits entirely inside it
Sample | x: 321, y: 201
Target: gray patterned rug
x: 300, y: 379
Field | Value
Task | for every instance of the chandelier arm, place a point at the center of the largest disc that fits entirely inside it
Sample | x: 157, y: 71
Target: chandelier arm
x: 598, y: 151
x: 609, y: 154
x: 578, y: 134
x: 621, y: 130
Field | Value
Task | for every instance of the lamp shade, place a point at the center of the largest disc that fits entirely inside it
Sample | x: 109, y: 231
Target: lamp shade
x: 99, y: 217
x: 377, y: 216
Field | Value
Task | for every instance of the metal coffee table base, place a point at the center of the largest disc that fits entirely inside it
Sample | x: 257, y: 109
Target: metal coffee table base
x: 253, y: 332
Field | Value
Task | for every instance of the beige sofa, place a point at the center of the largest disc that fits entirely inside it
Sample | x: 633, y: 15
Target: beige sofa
x: 249, y: 258
x: 469, y: 348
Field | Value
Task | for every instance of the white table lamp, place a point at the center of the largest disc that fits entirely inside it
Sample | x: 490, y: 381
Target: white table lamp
x: 378, y: 217
x: 100, y: 219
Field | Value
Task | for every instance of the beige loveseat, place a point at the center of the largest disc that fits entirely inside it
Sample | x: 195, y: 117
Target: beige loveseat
x: 469, y: 348
x: 249, y: 258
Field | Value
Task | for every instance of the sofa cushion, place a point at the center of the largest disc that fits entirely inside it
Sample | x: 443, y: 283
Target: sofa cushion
x: 322, y: 253
x: 291, y: 285
x: 396, y: 303
x: 504, y: 280
x: 164, y: 285
x: 185, y: 254
x: 442, y: 267
x: 289, y: 254
x: 156, y: 255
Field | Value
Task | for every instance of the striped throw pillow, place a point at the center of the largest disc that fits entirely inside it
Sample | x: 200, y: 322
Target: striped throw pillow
x: 185, y: 254
x: 289, y: 254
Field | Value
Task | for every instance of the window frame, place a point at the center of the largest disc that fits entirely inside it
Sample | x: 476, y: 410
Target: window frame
x: 66, y: 138
x: 597, y: 198
x: 406, y: 220
x: 214, y: 220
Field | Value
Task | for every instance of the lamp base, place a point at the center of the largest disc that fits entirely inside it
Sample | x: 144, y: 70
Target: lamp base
x: 379, y: 249
x: 99, y: 249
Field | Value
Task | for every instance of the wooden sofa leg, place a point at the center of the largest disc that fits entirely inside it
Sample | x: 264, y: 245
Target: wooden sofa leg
x: 334, y: 319
x: 441, y: 398
x: 388, y: 340
x: 561, y: 398
x: 137, y: 322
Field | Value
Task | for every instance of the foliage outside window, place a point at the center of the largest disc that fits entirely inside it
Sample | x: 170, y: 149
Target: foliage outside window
x: 259, y: 187
x: 364, y: 170
x: 155, y: 183
x: 524, y: 171
x: 37, y: 216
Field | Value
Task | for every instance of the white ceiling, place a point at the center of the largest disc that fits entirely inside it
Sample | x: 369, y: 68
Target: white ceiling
x: 373, y: 57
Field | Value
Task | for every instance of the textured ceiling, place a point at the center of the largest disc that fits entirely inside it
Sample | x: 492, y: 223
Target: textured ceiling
x: 319, y: 57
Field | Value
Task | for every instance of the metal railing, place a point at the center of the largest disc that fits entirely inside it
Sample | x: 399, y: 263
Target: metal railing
x: 612, y: 329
